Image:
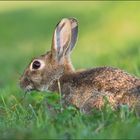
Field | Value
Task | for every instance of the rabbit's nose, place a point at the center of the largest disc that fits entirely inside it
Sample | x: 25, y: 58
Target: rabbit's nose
x: 24, y: 82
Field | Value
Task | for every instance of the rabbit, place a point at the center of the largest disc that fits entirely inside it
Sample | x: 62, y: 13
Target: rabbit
x: 85, y: 89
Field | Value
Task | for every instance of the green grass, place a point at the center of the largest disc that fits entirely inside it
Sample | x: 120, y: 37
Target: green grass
x: 109, y: 34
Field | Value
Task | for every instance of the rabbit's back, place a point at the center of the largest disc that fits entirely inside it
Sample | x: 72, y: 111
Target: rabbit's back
x: 117, y: 85
x: 113, y: 80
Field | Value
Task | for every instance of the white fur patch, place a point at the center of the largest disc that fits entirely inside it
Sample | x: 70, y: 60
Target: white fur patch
x: 28, y: 88
x: 43, y: 88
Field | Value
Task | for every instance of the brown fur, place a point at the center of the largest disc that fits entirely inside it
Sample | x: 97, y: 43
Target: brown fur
x: 85, y: 89
x: 118, y: 86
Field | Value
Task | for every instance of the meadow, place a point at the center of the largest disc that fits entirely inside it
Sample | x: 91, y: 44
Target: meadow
x: 109, y: 35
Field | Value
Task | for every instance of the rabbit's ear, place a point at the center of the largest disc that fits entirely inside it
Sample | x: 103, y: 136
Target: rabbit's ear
x: 74, y: 34
x: 61, y: 39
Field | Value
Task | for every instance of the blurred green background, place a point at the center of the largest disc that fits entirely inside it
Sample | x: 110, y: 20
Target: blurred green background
x: 109, y: 35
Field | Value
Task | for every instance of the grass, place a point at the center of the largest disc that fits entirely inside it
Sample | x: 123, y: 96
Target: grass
x: 109, y: 34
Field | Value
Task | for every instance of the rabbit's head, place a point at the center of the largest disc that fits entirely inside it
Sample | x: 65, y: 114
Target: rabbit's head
x: 45, y: 69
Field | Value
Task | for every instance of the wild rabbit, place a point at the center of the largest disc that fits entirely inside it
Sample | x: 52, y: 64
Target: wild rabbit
x: 84, y: 89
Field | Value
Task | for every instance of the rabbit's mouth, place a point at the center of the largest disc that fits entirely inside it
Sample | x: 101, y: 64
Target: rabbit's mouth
x: 28, y: 89
x: 28, y: 85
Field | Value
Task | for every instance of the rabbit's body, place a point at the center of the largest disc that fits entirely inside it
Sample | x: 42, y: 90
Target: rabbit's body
x: 85, y: 89
x: 90, y: 86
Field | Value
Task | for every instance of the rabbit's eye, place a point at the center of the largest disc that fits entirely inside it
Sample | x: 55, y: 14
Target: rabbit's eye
x: 36, y: 65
